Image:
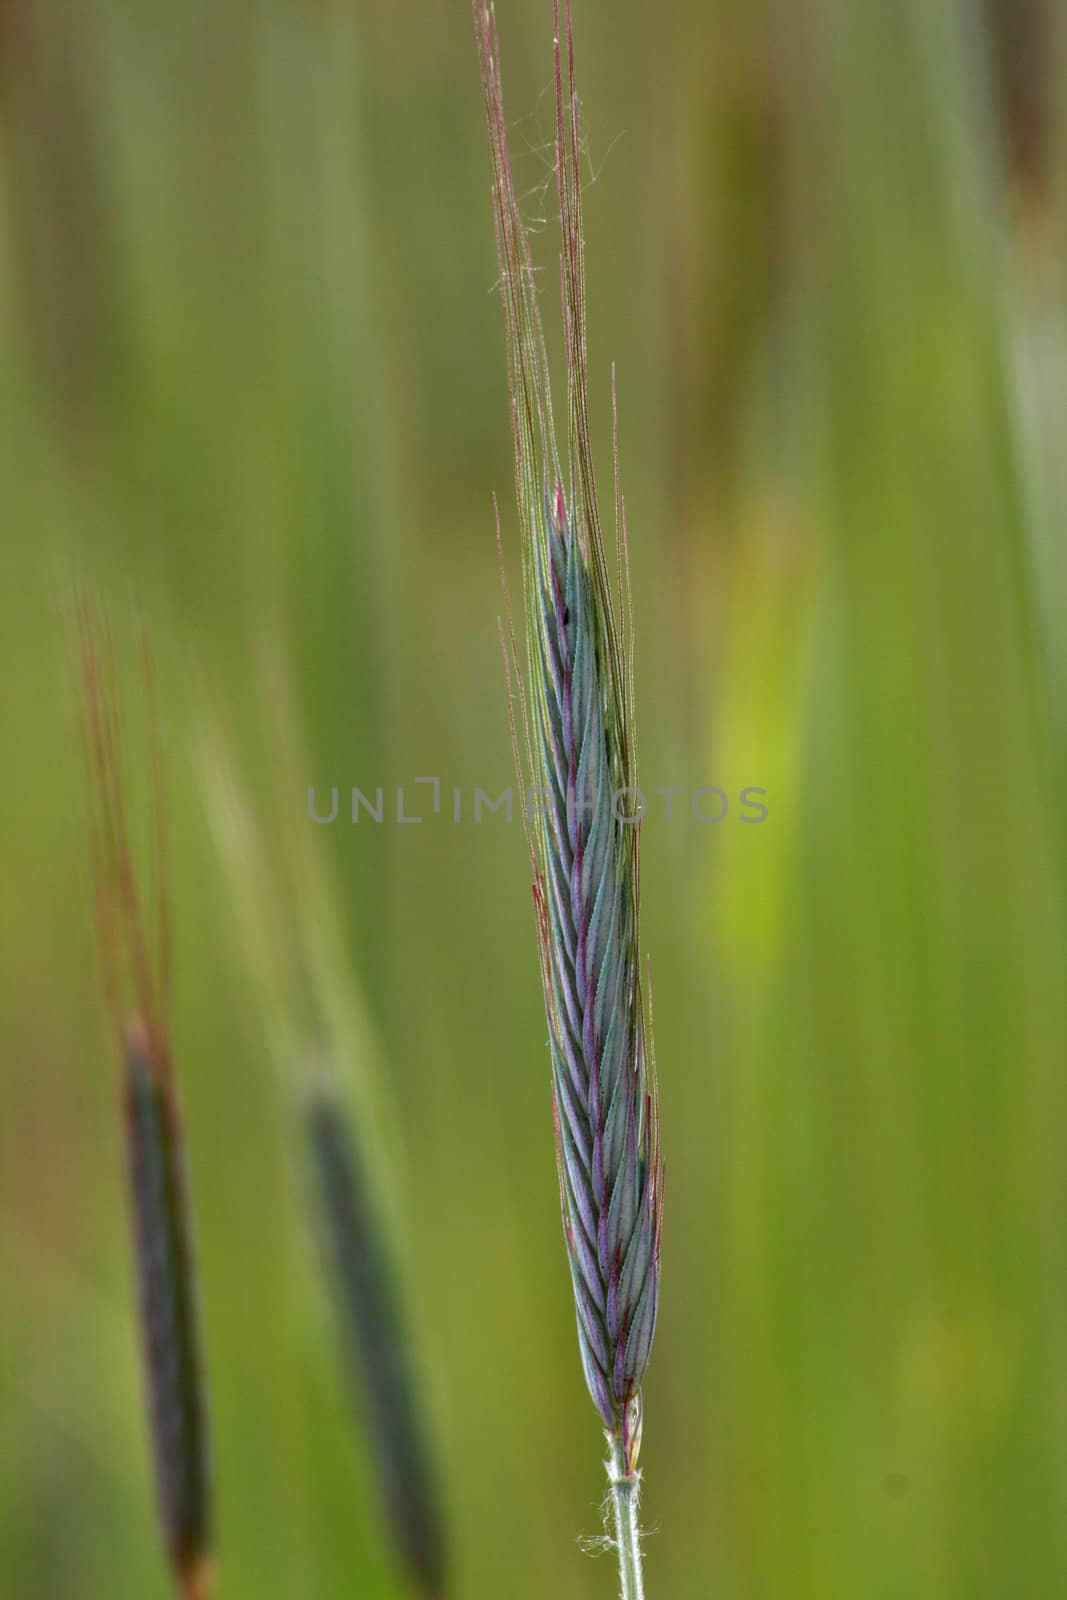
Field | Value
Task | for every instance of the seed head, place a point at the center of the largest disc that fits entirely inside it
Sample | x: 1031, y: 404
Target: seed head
x: 576, y: 715
x: 375, y: 1340
x: 136, y: 969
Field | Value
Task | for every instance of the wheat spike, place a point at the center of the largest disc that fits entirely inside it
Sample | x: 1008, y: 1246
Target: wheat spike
x: 135, y: 946
x: 576, y: 716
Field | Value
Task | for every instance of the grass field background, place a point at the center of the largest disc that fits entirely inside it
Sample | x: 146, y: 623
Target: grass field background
x: 252, y: 383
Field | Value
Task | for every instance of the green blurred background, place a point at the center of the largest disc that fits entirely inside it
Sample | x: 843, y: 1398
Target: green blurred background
x: 252, y: 381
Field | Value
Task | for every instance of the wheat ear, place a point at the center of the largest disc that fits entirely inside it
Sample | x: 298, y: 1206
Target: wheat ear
x: 583, y: 823
x: 315, y: 1023
x: 136, y: 971
x: 375, y: 1340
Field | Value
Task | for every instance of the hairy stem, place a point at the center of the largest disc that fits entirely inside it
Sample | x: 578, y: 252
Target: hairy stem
x: 625, y: 1487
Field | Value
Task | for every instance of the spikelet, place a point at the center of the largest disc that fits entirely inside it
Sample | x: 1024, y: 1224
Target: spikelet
x: 576, y: 713
x: 136, y: 971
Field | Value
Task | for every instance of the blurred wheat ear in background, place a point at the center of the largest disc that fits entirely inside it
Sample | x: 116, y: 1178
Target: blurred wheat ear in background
x: 314, y: 1024
x: 577, y: 718
x: 374, y: 1338
x: 136, y: 969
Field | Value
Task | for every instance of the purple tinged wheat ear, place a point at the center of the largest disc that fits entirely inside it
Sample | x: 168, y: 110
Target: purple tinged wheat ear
x: 374, y: 1335
x: 314, y: 1024
x: 577, y: 717
x: 136, y: 971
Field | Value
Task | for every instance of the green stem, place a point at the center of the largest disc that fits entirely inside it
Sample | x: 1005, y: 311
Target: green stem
x: 625, y: 1487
